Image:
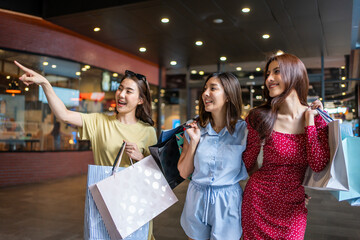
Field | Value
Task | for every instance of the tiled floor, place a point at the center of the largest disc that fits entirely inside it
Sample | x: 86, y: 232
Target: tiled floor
x: 54, y: 210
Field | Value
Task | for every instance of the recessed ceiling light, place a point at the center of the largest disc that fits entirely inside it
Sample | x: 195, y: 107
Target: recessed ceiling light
x: 198, y: 43
x: 262, y: 86
x: 87, y: 66
x: 53, y: 66
x: 245, y: 10
x: 258, y: 69
x: 45, y: 63
x: 193, y: 71
x: 96, y: 29
x: 218, y: 20
x: 342, y: 67
x: 344, y: 93
x: 343, y: 78
x: 8, y: 77
x: 223, y: 58
x: 78, y: 73
x: 26, y: 89
x: 115, y: 74
x: 353, y: 110
x: 83, y: 69
x: 142, y: 49
x: 253, y: 90
x: 238, y: 68
x: 165, y: 20
x: 320, y: 99
x: 201, y: 72
x: 251, y: 76
x: 265, y: 36
x: 279, y: 52
x: 173, y: 63
x: 343, y: 85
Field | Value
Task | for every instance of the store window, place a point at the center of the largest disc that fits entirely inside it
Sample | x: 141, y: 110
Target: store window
x: 26, y: 120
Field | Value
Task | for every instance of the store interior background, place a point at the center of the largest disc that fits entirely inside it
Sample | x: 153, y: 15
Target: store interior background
x: 59, y: 39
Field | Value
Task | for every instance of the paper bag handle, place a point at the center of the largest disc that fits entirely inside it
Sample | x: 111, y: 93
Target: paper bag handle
x: 324, y: 115
x: 118, y: 158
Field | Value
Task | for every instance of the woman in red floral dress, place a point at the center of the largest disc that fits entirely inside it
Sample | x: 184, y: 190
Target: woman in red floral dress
x: 293, y: 137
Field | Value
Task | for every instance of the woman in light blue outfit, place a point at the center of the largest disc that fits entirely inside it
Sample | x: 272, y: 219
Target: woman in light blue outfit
x: 212, y: 153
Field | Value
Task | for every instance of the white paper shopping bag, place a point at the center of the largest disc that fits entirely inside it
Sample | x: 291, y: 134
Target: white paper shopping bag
x: 132, y: 197
x: 334, y: 176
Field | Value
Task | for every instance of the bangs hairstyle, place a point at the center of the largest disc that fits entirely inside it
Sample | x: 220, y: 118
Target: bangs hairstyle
x: 294, y: 75
x: 232, y: 91
x: 143, y: 111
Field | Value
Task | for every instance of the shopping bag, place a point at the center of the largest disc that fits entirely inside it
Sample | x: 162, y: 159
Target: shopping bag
x: 94, y: 227
x: 334, y: 175
x: 132, y: 197
x: 167, y: 153
x: 352, y: 156
x: 355, y: 202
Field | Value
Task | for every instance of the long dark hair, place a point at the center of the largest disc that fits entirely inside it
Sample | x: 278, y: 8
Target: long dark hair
x: 143, y: 111
x: 232, y: 90
x: 293, y: 74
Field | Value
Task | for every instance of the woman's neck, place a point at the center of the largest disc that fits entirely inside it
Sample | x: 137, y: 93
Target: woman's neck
x: 292, y: 106
x: 218, y: 120
x: 127, y: 118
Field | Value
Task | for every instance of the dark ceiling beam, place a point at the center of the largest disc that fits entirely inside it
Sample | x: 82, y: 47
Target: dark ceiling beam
x: 33, y: 7
x: 54, y: 8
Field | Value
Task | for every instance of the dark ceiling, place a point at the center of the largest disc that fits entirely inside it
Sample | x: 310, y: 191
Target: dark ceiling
x: 305, y: 28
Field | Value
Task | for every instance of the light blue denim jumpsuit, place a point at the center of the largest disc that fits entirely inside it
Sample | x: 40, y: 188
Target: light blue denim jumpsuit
x: 212, y: 208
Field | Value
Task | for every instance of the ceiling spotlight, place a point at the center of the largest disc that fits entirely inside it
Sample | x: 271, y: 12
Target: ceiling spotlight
x: 53, y: 66
x: 245, y: 10
x: 223, y: 58
x: 198, y: 43
x: 96, y: 29
x: 342, y: 67
x: 173, y: 63
x: 279, y: 52
x: 262, y: 86
x: 253, y: 90
x: 78, y: 73
x: 265, y: 36
x: 26, y: 89
x: 8, y: 77
x: 45, y: 63
x: 193, y: 71
x: 201, y: 72
x: 115, y: 75
x: 165, y: 20
x: 87, y: 66
x: 258, y: 69
x: 320, y: 99
x: 83, y: 69
x: 251, y: 76
x: 344, y: 93
x: 343, y: 78
x: 218, y: 20
x: 142, y: 49
x: 353, y: 110
x: 238, y: 68
x: 343, y: 85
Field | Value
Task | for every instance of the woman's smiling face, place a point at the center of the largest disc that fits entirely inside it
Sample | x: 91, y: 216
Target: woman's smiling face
x: 273, y: 82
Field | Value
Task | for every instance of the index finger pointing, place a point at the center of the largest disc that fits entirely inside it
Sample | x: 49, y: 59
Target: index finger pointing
x: 25, y: 69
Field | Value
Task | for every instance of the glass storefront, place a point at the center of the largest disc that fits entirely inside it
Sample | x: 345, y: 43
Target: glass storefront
x: 26, y: 121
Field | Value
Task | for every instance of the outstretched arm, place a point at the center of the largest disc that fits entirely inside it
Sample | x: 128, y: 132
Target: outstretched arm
x: 56, y: 105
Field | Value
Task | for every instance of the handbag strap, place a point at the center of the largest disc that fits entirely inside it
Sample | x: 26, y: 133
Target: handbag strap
x: 324, y: 115
x: 118, y: 158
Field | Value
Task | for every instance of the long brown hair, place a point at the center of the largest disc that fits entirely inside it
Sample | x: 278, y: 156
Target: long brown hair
x: 293, y: 74
x: 143, y: 111
x: 232, y: 90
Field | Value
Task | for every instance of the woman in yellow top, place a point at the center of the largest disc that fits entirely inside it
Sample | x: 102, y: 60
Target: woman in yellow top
x: 132, y: 122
